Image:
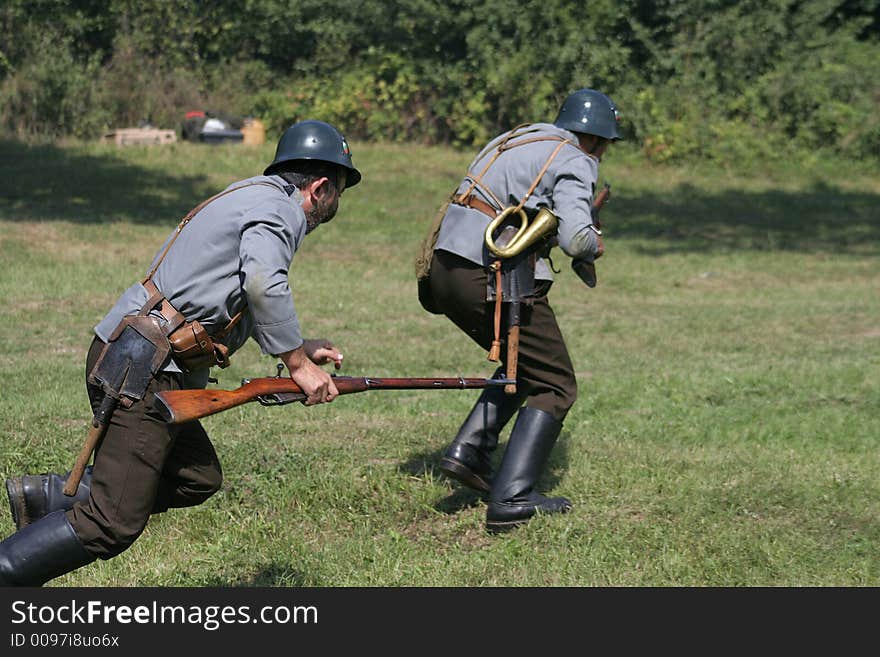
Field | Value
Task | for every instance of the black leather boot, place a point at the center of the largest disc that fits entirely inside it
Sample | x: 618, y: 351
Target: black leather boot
x: 513, y: 500
x: 43, y: 550
x: 468, y: 458
x: 33, y: 496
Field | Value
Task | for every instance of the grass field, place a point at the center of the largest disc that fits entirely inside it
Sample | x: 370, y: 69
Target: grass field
x: 728, y: 364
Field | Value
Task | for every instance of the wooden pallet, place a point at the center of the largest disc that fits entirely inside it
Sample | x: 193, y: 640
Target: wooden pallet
x: 142, y: 136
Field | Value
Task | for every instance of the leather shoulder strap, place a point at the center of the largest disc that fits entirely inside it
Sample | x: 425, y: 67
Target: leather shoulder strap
x: 174, y: 317
x: 476, y: 180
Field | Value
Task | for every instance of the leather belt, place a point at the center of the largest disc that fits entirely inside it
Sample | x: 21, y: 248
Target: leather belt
x: 471, y: 201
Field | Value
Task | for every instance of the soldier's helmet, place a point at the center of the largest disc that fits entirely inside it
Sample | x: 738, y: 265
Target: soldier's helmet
x: 314, y: 140
x: 590, y: 112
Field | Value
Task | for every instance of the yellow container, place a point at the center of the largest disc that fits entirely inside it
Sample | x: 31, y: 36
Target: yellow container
x: 254, y: 131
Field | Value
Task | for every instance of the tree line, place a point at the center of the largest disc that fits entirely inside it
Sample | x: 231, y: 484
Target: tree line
x: 709, y: 79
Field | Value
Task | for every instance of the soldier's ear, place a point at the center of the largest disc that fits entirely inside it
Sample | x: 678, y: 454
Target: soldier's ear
x: 320, y: 187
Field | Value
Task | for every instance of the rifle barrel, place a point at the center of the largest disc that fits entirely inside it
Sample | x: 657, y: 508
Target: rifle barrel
x: 418, y: 384
x: 177, y: 406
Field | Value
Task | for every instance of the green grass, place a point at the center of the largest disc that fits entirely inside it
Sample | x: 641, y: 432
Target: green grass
x: 728, y: 365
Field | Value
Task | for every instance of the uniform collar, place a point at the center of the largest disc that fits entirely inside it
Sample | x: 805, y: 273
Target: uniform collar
x: 291, y: 190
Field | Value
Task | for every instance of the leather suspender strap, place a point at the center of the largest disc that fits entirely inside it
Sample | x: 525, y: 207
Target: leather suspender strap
x: 172, y: 316
x: 477, y: 179
x: 540, y: 174
x: 467, y: 197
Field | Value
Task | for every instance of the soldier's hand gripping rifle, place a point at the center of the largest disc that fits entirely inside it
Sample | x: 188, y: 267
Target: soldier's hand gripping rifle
x: 178, y: 406
x: 586, y: 269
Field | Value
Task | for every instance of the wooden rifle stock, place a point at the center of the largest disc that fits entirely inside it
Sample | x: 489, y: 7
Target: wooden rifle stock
x: 179, y: 406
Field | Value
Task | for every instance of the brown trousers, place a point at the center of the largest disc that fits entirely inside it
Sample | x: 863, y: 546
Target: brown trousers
x: 544, y: 367
x: 142, y: 466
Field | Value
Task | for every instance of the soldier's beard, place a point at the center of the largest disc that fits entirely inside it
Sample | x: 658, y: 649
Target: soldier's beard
x: 321, y: 213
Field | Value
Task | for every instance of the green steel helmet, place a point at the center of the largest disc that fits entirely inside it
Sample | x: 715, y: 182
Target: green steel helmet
x: 314, y: 140
x: 590, y: 112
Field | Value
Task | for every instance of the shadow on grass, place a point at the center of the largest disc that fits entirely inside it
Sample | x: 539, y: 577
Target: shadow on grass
x: 427, y: 464
x: 689, y: 219
x: 46, y: 182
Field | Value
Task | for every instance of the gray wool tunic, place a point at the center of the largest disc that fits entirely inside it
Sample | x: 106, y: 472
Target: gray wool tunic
x: 566, y: 188
x: 233, y: 255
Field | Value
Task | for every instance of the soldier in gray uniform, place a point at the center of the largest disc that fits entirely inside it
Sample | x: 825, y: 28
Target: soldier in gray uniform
x: 223, y: 273
x: 535, y: 166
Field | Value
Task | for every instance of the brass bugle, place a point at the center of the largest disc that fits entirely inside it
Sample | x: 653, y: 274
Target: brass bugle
x: 543, y: 225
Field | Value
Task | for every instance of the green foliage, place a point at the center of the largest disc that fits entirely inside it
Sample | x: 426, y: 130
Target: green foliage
x: 759, y: 76
x: 724, y: 80
x: 828, y: 98
x: 381, y: 97
x: 50, y: 92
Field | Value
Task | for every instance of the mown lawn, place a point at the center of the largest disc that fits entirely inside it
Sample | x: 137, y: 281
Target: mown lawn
x: 728, y: 362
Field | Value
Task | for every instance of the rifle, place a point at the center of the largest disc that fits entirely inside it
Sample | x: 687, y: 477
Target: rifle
x: 178, y: 406
x: 586, y: 270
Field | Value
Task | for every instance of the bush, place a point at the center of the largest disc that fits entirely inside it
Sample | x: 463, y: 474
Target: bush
x: 52, y: 94
x: 732, y: 82
x: 385, y: 98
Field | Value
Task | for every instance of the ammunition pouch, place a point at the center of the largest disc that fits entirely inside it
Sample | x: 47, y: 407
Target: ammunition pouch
x: 193, y: 348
